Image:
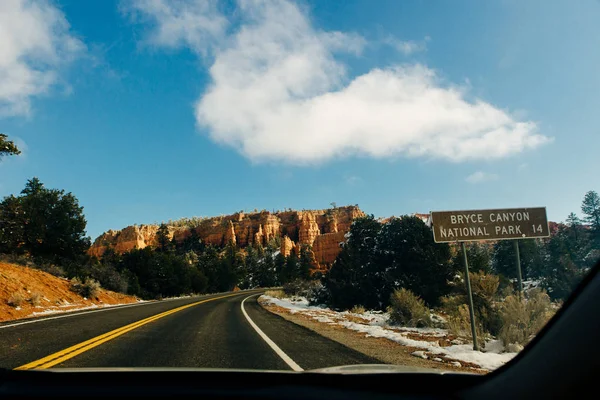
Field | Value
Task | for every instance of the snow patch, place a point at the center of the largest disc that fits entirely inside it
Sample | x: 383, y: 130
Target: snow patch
x: 375, y: 324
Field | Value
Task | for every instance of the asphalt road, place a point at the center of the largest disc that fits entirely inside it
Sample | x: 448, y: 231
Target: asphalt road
x: 214, y: 333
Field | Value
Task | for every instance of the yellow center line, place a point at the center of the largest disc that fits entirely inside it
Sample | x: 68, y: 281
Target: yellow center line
x: 70, y: 352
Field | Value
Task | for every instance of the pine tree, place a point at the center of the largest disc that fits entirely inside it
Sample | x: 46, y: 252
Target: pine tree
x: 279, y: 268
x: 591, y: 209
x: 479, y: 257
x: 47, y: 223
x: 504, y: 258
x: 305, y: 262
x: 162, y: 239
x: 7, y: 147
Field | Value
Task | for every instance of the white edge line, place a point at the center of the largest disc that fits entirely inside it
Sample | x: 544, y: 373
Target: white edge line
x: 74, y: 313
x: 271, y: 344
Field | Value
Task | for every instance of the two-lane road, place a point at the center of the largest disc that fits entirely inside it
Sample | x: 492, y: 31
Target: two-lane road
x: 217, y: 331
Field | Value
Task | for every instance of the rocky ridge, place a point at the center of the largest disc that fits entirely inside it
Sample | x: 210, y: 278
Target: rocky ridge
x: 323, y: 230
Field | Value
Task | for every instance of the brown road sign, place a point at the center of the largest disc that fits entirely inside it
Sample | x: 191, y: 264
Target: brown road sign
x: 471, y: 225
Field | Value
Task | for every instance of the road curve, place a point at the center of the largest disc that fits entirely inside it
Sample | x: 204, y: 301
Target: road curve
x: 211, y: 334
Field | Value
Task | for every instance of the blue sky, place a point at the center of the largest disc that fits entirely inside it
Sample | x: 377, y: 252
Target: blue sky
x: 149, y: 111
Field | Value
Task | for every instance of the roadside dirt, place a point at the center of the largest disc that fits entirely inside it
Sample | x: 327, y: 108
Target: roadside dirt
x: 40, y: 293
x: 384, y: 350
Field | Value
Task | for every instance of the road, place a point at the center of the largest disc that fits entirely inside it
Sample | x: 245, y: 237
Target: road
x: 203, y: 332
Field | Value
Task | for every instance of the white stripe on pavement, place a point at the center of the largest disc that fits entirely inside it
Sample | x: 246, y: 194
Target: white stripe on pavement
x: 73, y: 313
x: 272, y: 344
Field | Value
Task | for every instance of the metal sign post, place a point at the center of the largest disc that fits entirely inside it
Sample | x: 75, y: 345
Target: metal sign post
x: 470, y: 295
x: 518, y: 257
x: 497, y: 224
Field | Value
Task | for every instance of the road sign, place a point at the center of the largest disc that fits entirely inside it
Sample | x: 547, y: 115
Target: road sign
x: 472, y: 225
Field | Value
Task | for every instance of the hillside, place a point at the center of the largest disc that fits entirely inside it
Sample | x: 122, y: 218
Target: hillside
x: 43, y: 293
x: 321, y: 229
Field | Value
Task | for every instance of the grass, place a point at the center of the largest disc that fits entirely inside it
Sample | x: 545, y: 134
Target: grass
x: 278, y: 294
x: 36, y: 299
x: 358, y: 309
x: 16, y: 300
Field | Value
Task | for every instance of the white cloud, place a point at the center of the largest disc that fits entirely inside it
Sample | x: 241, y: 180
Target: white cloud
x: 480, y: 177
x: 278, y: 93
x: 407, y: 47
x: 35, y: 42
x: 196, y: 24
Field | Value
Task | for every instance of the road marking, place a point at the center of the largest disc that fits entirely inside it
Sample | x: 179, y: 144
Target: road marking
x: 272, y: 344
x: 68, y: 353
x: 74, y: 314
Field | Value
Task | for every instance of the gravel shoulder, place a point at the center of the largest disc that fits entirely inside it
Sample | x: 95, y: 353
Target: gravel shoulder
x: 384, y: 350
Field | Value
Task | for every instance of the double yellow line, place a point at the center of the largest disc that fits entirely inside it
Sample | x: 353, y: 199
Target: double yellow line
x: 66, y: 354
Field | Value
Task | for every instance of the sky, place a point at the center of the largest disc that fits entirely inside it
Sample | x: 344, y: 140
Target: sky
x: 155, y: 110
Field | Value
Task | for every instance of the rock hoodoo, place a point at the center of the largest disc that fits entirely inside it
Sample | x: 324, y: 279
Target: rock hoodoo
x: 324, y: 230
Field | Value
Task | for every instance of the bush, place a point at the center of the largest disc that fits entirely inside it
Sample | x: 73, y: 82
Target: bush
x: 278, y: 294
x: 36, y: 299
x: 16, y: 299
x: 88, y: 288
x: 484, y: 288
x: 298, y: 287
x: 358, y: 309
x: 407, y: 309
x: 459, y: 324
x: 109, y: 278
x: 52, y: 269
x: 522, y: 318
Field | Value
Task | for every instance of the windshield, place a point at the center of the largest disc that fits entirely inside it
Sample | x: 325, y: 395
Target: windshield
x: 293, y: 185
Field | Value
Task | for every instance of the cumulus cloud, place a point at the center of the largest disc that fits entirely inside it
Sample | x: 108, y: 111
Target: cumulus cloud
x: 480, y: 177
x: 279, y: 93
x: 35, y: 41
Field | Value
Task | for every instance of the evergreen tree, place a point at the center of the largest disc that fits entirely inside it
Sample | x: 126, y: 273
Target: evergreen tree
x: 47, y: 223
x: 250, y: 277
x: 591, y: 209
x: 7, y: 147
x: 505, y: 263
x: 209, y: 263
x: 163, y: 242
x: 305, y: 262
x: 279, y: 268
x: 479, y: 257
x: 355, y: 277
x: 231, y: 268
x: 408, y: 258
x: 267, y: 276
x: 290, y: 269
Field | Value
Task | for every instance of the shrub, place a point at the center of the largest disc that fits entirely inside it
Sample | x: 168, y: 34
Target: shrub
x: 459, y: 324
x: 52, y: 269
x: 522, y: 318
x: 358, y: 309
x: 88, y: 288
x: 484, y: 288
x: 36, y: 299
x: 407, y: 309
x: 16, y: 299
x: 298, y: 287
x: 278, y: 294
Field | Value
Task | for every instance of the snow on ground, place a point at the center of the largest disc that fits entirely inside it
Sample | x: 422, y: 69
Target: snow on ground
x: 374, y: 324
x: 58, y: 310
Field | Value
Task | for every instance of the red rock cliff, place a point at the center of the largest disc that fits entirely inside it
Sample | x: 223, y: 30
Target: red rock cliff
x: 324, y: 230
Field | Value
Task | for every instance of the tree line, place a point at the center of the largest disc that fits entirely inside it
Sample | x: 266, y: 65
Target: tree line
x: 380, y: 257
x: 47, y: 227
